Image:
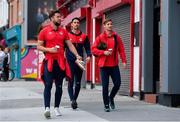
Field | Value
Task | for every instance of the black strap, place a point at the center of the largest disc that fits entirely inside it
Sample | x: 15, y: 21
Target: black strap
x: 115, y: 45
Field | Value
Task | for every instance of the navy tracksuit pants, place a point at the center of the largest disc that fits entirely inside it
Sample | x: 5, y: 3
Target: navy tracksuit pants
x: 114, y: 72
x: 74, y: 84
x: 57, y: 75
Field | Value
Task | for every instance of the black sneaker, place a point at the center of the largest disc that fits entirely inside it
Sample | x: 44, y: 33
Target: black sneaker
x: 74, y: 104
x: 106, y: 108
x: 112, y: 105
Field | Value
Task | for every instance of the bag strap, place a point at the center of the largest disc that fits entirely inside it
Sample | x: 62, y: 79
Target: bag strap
x: 102, y: 40
x: 115, y: 44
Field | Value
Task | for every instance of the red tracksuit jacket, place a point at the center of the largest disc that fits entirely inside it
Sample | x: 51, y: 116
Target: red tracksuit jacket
x: 112, y: 60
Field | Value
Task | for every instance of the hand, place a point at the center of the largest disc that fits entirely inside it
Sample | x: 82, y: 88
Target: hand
x: 88, y: 59
x: 78, y: 57
x: 53, y: 50
x: 107, y: 53
x: 81, y: 64
x: 124, y: 65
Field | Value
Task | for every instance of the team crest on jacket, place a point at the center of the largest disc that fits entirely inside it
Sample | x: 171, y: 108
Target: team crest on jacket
x: 80, y: 40
x: 61, y: 33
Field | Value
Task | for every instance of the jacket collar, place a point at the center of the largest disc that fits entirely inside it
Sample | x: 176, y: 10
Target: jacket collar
x: 76, y: 34
x: 105, y: 34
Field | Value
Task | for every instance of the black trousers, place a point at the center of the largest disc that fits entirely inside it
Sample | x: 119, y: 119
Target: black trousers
x: 57, y: 75
x: 114, y: 72
x: 74, y: 85
x: 6, y: 72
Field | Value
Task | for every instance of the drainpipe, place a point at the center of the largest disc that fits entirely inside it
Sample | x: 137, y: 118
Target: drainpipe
x: 140, y: 52
x: 8, y: 1
x: 132, y: 47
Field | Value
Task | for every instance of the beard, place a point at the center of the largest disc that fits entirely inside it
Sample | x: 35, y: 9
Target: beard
x: 57, y: 24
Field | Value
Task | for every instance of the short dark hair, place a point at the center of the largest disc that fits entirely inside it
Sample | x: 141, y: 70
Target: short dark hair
x: 53, y: 12
x: 106, y: 20
x: 75, y: 18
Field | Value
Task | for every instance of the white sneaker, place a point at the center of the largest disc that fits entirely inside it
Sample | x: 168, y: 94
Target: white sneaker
x: 47, y: 113
x: 57, y: 112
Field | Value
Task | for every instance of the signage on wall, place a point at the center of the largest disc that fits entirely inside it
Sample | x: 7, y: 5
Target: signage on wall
x: 38, y: 12
x: 29, y: 62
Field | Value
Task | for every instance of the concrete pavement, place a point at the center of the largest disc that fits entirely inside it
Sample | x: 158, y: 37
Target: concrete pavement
x: 23, y: 101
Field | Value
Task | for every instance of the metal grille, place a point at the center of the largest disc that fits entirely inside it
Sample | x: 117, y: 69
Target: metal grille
x: 121, y: 24
x: 83, y: 25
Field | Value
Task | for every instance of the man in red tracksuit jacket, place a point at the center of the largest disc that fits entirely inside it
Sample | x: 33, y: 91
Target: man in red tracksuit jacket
x: 80, y: 41
x: 51, y: 41
x: 107, y: 46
